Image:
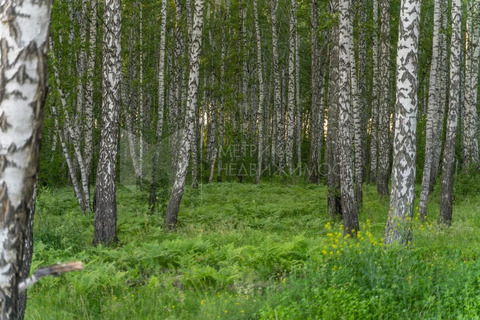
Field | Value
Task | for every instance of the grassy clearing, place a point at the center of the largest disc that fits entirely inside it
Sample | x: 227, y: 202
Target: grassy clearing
x: 255, y: 252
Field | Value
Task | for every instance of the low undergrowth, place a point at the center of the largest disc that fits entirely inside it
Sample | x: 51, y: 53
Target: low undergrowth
x: 254, y: 252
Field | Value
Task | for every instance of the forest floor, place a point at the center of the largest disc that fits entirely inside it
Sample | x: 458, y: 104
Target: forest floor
x: 256, y: 252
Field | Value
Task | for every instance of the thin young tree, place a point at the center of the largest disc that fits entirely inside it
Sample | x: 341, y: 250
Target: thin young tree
x: 448, y: 163
x: 188, y: 134
x: 402, y: 196
x: 105, y: 204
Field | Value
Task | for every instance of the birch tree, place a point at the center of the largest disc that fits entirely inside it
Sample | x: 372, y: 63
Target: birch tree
x: 105, y: 189
x: 317, y: 111
x: 279, y: 151
x: 291, y: 90
x: 402, y: 196
x: 161, y: 105
x: 333, y: 178
x: 470, y: 122
x: 448, y: 163
x: 349, y: 205
x: 375, y: 98
x: 433, y: 108
x: 383, y: 170
x: 261, y: 93
x: 188, y: 134
x: 23, y: 68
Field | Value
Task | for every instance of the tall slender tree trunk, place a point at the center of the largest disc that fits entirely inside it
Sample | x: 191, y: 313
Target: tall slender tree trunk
x: 221, y: 134
x: 298, y: 109
x: 470, y: 122
x: 333, y: 178
x: 402, y: 198
x: 291, y: 90
x: 261, y: 97
x: 89, y: 91
x: 448, y: 166
x: 277, y: 95
x: 433, y: 110
x: 188, y: 134
x: 384, y: 150
x: 23, y: 68
x: 357, y: 112
x: 161, y: 107
x: 375, y: 98
x: 442, y: 99
x: 349, y: 205
x: 105, y: 190
x: 316, y: 108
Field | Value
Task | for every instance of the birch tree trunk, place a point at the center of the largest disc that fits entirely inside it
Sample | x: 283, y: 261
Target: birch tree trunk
x: 333, y: 178
x: 448, y: 166
x: 261, y: 97
x: 349, y: 206
x: 316, y: 117
x: 433, y: 109
x: 375, y: 99
x: 357, y: 113
x: 23, y: 68
x: 141, y: 105
x: 384, y: 150
x: 279, y: 152
x: 187, y: 136
x: 221, y: 134
x: 291, y: 90
x: 443, y: 83
x: 105, y: 189
x: 161, y: 106
x: 402, y: 198
x: 470, y: 123
x: 298, y: 109
x: 89, y: 94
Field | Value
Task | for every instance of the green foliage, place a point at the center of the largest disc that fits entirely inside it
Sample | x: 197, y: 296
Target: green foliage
x: 254, y: 252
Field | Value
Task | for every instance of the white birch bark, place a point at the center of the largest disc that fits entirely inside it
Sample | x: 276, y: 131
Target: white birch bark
x: 141, y: 105
x: 279, y: 152
x: 316, y: 108
x: 298, y: 108
x: 383, y: 134
x: 470, y: 122
x: 349, y: 205
x: 375, y: 99
x: 23, y: 69
x: 444, y: 77
x: 105, y: 189
x: 402, y: 198
x: 332, y: 156
x: 89, y: 90
x: 357, y: 122
x: 188, y: 134
x: 70, y: 130
x: 291, y: 90
x: 448, y: 163
x: 161, y: 105
x: 433, y: 109
x: 261, y: 97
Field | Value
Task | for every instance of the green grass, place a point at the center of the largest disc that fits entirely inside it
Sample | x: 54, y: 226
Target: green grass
x: 255, y: 252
